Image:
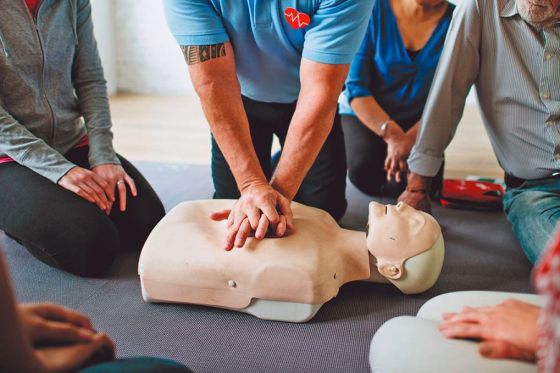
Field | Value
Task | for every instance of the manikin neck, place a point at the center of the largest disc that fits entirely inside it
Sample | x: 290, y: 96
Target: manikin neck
x: 357, y: 241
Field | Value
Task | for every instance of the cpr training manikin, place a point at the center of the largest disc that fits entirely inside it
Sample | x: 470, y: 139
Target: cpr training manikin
x: 289, y: 278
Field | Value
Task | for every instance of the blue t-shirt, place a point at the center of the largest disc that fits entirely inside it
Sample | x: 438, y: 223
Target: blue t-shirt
x: 383, y: 68
x: 268, y: 50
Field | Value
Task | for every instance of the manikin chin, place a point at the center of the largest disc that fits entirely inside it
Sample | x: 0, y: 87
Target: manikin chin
x: 289, y: 278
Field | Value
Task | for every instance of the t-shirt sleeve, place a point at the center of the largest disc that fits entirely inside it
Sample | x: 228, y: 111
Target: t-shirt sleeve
x: 336, y: 30
x: 195, y: 22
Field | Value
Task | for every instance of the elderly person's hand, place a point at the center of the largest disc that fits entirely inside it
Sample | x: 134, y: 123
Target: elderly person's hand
x: 259, y: 208
x: 399, y: 146
x: 417, y: 192
x: 116, y: 177
x: 506, y: 331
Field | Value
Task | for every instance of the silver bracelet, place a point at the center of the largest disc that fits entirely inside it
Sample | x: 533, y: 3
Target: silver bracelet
x: 384, y: 127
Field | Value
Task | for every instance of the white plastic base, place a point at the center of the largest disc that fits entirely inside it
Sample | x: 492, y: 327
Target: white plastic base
x: 263, y: 309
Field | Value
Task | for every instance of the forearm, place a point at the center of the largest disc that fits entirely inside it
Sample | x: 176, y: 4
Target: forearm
x: 216, y: 84
x: 229, y: 125
x: 91, y: 90
x: 16, y: 354
x: 413, y: 131
x: 30, y: 151
x: 370, y: 113
x: 310, y: 126
x: 312, y: 122
x: 457, y: 71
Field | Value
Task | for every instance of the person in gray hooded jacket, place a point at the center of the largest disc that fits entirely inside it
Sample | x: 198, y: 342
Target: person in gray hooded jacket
x: 64, y: 192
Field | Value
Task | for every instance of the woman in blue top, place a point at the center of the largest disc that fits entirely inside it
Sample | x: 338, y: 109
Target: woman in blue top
x: 387, y: 88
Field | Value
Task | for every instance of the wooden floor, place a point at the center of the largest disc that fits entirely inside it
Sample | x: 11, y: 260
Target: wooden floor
x: 173, y: 129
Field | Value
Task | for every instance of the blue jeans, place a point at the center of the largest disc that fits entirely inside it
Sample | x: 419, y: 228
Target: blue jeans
x: 137, y: 365
x: 533, y: 210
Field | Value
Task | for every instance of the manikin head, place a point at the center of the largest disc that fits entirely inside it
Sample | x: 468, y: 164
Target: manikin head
x: 540, y: 13
x: 407, y: 246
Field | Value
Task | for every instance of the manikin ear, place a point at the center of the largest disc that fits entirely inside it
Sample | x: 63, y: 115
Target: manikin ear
x: 422, y: 271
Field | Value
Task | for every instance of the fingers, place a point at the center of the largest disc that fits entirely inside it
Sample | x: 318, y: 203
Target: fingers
x: 81, y: 193
x: 103, y: 342
x: 269, y: 209
x: 286, y: 210
x: 255, y: 218
x: 232, y: 232
x: 504, y: 350
x: 108, y: 190
x: 101, y: 187
x: 131, y: 184
x: 55, y: 331
x: 55, y: 312
x: 461, y: 330
x: 281, y: 227
x: 262, y: 228
x: 220, y: 215
x: 98, y: 193
x: 121, y: 187
x: 243, y: 233
x: 468, y: 317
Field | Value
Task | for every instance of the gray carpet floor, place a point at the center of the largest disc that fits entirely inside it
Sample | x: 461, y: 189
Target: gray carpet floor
x: 482, y: 254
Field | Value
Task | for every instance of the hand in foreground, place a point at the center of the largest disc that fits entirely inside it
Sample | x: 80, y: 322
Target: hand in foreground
x: 399, y: 146
x: 507, y: 331
x: 417, y: 193
x: 50, y: 323
x: 68, y: 358
x: 259, y: 208
x: 62, y: 339
x: 89, y: 186
x: 117, y: 178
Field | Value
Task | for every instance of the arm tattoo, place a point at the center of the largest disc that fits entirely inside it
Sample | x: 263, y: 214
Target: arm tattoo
x: 201, y: 53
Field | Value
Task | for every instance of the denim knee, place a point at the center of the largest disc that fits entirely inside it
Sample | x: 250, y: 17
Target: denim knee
x: 534, y: 215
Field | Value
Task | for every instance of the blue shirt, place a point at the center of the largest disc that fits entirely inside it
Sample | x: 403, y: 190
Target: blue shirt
x: 383, y: 69
x: 268, y: 50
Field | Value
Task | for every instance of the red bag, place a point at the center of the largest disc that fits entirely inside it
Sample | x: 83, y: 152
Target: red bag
x: 472, y: 195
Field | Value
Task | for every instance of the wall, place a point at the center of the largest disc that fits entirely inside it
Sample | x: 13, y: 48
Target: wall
x: 104, y: 31
x: 148, y: 59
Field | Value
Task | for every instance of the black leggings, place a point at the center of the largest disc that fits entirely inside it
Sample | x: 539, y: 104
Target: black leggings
x: 365, y: 157
x: 66, y: 231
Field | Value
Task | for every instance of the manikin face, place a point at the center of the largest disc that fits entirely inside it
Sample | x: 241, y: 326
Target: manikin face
x: 397, y: 233
x: 539, y: 13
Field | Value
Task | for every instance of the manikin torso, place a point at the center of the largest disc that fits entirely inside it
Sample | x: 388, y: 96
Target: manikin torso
x: 289, y: 278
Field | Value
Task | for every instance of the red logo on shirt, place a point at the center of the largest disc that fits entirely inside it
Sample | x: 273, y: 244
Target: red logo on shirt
x: 297, y: 19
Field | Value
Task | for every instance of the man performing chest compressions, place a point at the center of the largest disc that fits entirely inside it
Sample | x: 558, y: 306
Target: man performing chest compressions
x: 289, y: 279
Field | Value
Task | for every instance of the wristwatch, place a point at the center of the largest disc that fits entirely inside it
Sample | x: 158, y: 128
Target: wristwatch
x: 384, y: 127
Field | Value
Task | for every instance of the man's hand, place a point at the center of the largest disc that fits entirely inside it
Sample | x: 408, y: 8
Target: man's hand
x: 259, y: 208
x: 399, y: 145
x: 50, y: 323
x: 417, y: 192
x: 117, y: 178
x: 89, y: 186
x: 507, y: 331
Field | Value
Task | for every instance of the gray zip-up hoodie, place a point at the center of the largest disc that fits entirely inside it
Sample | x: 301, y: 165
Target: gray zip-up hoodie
x: 52, y: 87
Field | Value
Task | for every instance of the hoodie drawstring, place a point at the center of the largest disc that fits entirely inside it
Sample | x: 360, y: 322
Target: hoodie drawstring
x: 3, y: 45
